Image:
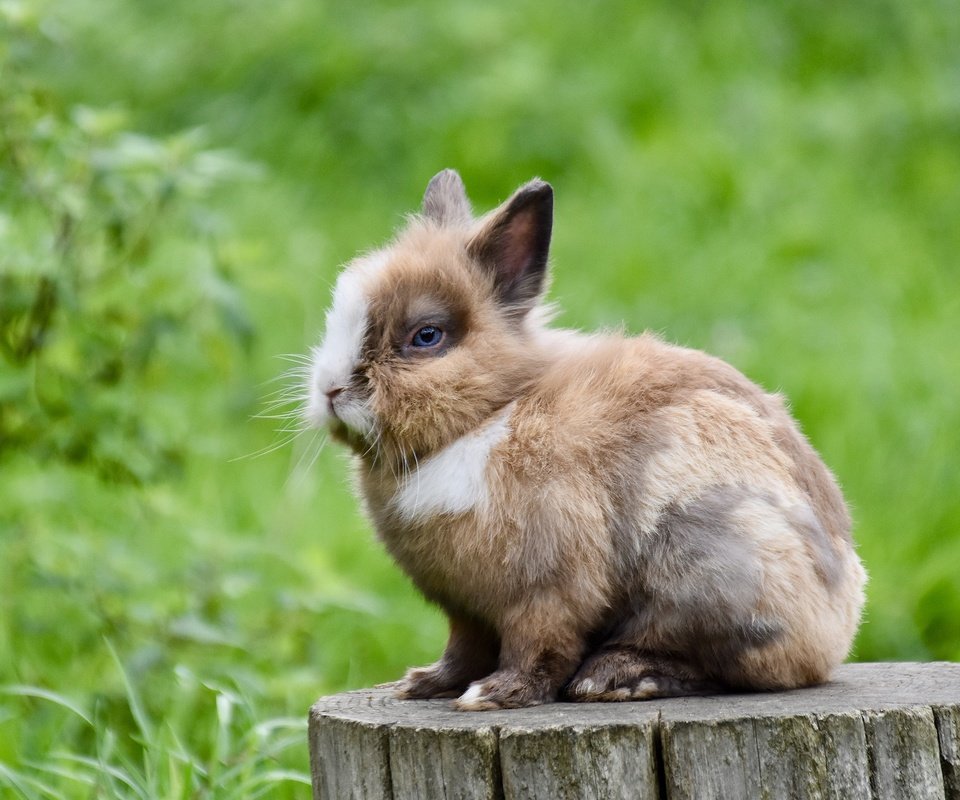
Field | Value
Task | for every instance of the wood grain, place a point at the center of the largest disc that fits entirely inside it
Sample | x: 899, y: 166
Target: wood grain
x: 876, y: 730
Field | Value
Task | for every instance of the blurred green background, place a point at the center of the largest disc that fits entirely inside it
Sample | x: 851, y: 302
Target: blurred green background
x: 775, y: 182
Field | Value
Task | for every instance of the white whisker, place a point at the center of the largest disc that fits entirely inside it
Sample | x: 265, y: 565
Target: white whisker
x: 294, y: 433
x: 292, y: 414
x: 274, y: 406
x: 296, y: 358
x: 296, y: 475
x: 299, y: 373
x: 313, y: 459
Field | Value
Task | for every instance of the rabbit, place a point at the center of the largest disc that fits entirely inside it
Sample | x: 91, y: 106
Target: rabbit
x: 600, y: 517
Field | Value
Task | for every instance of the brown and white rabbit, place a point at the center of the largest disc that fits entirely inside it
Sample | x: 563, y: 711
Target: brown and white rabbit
x: 602, y: 517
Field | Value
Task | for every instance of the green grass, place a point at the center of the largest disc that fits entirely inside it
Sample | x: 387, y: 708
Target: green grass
x: 777, y: 183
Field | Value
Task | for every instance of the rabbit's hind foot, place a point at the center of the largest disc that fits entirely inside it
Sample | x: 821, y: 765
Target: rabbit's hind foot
x: 617, y: 674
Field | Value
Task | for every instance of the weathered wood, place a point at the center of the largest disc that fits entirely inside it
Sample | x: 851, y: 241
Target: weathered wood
x: 948, y: 732
x: 798, y: 756
x: 876, y: 730
x: 579, y: 762
x: 904, y: 754
x: 714, y: 760
x: 845, y: 752
x: 359, y: 751
x: 792, y: 761
x: 444, y: 762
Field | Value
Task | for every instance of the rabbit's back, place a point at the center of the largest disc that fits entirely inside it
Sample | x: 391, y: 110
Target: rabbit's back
x: 664, y: 423
x: 724, y: 533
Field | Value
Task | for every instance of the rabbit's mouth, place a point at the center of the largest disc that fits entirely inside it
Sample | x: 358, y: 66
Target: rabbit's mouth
x: 350, y: 421
x: 332, y: 407
x: 342, y: 432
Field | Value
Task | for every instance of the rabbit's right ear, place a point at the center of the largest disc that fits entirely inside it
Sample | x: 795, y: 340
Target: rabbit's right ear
x: 513, y: 243
x: 445, y: 199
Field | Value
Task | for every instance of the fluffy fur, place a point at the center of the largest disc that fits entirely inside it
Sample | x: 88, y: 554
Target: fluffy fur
x: 601, y: 517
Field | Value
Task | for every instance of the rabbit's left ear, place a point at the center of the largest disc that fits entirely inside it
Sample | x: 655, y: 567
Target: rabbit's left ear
x: 513, y: 242
x: 445, y: 199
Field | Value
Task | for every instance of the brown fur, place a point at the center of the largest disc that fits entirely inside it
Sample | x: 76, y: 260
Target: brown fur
x: 649, y: 523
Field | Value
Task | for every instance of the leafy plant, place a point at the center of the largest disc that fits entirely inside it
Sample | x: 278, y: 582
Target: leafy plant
x: 110, y: 262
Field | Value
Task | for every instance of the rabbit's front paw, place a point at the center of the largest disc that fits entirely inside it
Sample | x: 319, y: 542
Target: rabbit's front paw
x: 504, y: 689
x: 422, y: 683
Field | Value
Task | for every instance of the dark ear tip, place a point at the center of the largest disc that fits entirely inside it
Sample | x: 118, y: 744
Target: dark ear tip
x: 539, y: 187
x: 535, y: 191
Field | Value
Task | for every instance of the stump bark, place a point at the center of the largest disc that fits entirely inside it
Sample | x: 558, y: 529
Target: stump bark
x: 875, y: 731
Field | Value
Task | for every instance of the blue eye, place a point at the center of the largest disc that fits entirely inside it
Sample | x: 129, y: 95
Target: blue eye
x: 427, y: 336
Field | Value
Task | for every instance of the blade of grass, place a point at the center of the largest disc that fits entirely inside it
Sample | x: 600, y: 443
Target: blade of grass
x: 107, y: 770
x: 136, y: 707
x: 46, y: 694
x: 20, y: 782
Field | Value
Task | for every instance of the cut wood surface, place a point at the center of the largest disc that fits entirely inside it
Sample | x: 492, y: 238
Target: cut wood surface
x: 875, y: 731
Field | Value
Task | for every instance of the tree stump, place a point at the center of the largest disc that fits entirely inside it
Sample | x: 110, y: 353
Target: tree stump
x: 875, y: 731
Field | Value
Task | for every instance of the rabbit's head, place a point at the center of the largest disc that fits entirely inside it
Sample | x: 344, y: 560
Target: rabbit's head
x: 432, y: 334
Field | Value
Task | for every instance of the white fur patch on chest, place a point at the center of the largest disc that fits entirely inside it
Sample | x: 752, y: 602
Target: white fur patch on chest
x: 453, y: 481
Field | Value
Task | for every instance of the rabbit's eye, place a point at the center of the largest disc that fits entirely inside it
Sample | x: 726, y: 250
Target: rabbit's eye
x: 427, y: 336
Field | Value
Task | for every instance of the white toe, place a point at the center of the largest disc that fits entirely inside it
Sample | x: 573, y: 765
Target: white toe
x: 646, y: 688
x: 586, y: 686
x: 473, y: 693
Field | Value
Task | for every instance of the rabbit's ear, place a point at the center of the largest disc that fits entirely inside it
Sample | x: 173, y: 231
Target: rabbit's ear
x: 445, y: 199
x: 513, y: 243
